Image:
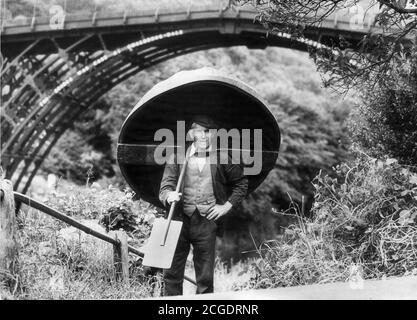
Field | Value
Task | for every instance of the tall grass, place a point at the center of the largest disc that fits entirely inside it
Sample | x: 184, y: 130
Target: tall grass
x: 364, y: 220
x: 363, y: 223
x: 60, y: 262
x: 235, y: 278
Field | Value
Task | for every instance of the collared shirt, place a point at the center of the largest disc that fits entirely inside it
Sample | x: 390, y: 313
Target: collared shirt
x: 201, y: 161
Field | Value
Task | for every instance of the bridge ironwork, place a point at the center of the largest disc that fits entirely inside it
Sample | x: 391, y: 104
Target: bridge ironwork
x: 52, y: 76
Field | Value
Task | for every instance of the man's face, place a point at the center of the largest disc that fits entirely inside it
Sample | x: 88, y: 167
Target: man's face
x: 201, y: 136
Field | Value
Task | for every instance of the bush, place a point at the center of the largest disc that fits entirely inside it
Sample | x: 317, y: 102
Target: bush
x: 365, y: 218
x: 385, y: 122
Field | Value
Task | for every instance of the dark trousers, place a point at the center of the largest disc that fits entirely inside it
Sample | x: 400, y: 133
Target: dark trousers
x: 201, y: 234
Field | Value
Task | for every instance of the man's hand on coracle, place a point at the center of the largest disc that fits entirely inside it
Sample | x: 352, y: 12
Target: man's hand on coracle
x: 219, y: 210
x: 173, y: 196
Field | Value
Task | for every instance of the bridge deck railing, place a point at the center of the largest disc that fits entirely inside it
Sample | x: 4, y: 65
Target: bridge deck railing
x: 8, y: 19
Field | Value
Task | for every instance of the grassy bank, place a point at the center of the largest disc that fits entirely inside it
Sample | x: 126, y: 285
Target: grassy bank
x: 362, y: 226
x: 61, y: 262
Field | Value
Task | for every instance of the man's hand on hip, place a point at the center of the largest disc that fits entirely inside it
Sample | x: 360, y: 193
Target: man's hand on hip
x: 219, y: 210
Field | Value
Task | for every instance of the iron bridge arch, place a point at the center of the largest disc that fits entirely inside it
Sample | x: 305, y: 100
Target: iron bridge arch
x: 52, y: 77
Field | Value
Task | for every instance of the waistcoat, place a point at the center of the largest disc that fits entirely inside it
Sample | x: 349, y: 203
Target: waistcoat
x: 198, y: 189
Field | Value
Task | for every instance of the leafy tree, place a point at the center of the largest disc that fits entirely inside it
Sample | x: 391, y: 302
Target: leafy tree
x: 17, y: 8
x: 310, y: 142
x: 347, y: 67
x: 386, y: 122
x: 381, y: 71
x: 84, y: 152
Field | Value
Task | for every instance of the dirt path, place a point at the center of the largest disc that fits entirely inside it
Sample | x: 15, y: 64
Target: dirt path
x: 393, y: 288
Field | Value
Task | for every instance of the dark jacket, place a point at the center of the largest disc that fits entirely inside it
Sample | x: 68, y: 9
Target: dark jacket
x: 229, y: 184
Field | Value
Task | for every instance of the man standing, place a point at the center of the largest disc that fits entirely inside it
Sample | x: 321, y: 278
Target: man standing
x: 209, y: 192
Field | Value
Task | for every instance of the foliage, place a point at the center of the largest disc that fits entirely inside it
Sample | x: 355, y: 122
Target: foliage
x: 363, y: 219
x: 226, y: 279
x: 119, y: 217
x: 310, y: 118
x: 314, y: 137
x: 85, y: 150
x: 381, y: 69
x: 310, y: 143
x: 18, y: 9
x: 347, y: 65
x: 114, y: 209
x: 364, y: 213
x: 386, y: 122
x: 123, y: 215
x: 52, y: 268
x: 85, y: 201
x: 59, y: 264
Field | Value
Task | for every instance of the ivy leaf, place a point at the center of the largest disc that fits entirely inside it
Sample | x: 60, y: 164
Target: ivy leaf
x: 390, y: 161
x: 404, y: 217
x: 413, y: 179
x: 405, y: 192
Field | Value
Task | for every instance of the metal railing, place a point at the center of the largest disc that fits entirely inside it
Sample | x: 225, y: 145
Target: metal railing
x: 18, y: 197
x: 58, y: 16
x: 40, y: 11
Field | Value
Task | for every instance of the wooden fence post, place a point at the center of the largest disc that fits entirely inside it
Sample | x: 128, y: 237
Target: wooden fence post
x: 121, y: 256
x: 8, y: 243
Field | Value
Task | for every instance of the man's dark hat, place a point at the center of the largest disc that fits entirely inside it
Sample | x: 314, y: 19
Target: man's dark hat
x: 204, y: 121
